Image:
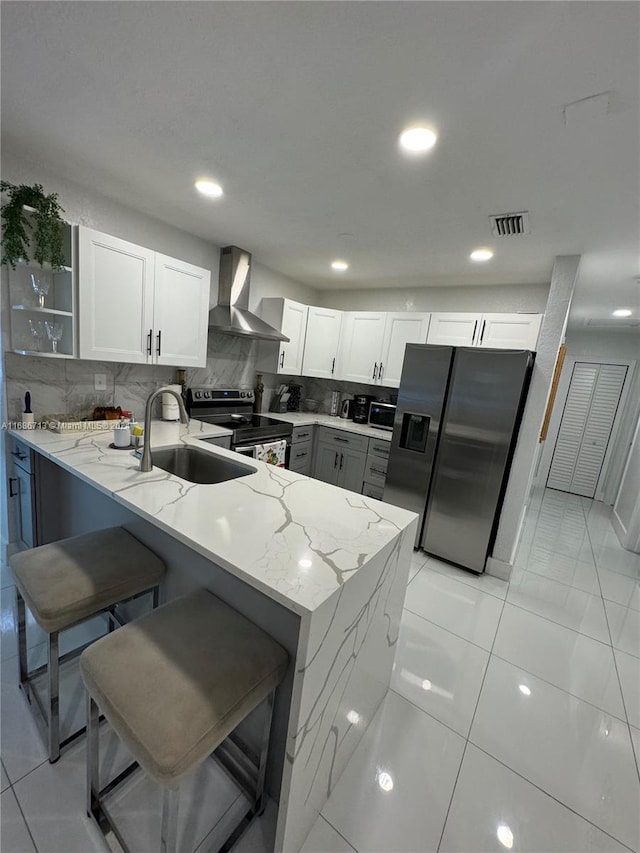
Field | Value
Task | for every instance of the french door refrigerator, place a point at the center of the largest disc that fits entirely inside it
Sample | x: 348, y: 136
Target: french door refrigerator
x: 454, y: 434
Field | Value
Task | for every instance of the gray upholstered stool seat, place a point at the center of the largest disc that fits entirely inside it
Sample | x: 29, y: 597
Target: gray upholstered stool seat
x: 175, y: 683
x: 71, y: 580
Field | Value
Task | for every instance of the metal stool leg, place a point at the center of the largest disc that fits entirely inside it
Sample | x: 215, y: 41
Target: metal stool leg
x: 264, y: 752
x: 169, y: 837
x: 93, y: 758
x: 21, y: 619
x: 53, y: 706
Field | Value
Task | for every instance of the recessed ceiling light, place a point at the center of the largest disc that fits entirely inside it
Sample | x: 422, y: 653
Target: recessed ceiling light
x: 622, y: 312
x: 209, y: 188
x: 524, y: 689
x: 339, y: 266
x: 481, y: 255
x: 417, y: 139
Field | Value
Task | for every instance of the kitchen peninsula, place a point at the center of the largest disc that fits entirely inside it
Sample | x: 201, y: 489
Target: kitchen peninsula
x: 323, y: 570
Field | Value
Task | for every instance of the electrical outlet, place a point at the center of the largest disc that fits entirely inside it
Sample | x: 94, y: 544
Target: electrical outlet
x: 100, y: 381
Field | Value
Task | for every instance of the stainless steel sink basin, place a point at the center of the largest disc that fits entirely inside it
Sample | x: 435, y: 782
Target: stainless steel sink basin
x: 198, y: 466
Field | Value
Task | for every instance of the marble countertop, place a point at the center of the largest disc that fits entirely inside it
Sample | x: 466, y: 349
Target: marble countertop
x: 311, y: 418
x: 295, y: 539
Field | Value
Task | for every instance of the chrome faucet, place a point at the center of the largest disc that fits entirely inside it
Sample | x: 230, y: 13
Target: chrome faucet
x: 146, y: 463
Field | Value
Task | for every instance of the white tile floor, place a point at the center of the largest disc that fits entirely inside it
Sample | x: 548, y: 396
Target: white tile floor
x: 511, y: 724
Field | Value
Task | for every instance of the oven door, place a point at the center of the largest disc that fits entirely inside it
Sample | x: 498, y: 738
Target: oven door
x: 250, y: 449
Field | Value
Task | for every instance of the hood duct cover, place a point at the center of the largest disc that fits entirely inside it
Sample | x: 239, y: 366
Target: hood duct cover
x: 231, y: 316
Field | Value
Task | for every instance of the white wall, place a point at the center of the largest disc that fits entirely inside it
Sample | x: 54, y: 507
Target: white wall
x: 563, y: 278
x: 488, y: 298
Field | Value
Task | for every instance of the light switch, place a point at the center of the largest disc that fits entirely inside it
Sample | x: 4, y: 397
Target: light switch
x: 100, y: 381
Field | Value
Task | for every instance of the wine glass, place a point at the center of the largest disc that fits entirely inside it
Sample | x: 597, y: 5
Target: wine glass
x: 37, y: 333
x: 40, y: 288
x: 54, y: 333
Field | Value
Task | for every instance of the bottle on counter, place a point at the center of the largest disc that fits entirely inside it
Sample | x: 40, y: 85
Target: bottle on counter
x: 259, y: 390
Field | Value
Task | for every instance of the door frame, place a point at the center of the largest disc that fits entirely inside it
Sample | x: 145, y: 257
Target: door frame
x: 558, y: 410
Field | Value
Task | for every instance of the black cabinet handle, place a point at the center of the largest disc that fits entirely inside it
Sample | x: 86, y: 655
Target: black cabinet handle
x: 149, y: 336
x: 380, y: 369
x: 303, y: 453
x: 473, y: 336
x: 158, y: 347
x: 12, y: 480
x: 375, y: 370
x: 18, y: 454
x: 282, y: 359
x: 335, y: 461
x: 484, y: 323
x: 333, y: 366
x: 378, y: 471
x: 337, y: 438
x: 341, y: 461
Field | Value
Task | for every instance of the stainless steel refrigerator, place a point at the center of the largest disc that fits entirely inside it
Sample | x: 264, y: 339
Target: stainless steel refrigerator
x: 454, y: 433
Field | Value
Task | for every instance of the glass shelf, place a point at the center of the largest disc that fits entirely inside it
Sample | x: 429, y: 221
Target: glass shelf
x: 36, y: 310
x: 43, y: 354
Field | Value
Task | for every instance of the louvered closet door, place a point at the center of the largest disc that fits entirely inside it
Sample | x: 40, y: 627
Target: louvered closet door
x: 587, y: 421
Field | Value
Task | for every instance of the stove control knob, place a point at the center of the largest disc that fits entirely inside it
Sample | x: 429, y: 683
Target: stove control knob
x: 197, y: 395
x: 243, y: 393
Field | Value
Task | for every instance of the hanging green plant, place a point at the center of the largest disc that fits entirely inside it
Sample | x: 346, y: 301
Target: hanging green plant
x: 39, y: 230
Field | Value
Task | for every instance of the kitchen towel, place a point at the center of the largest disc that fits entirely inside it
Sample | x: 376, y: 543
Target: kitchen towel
x: 273, y: 453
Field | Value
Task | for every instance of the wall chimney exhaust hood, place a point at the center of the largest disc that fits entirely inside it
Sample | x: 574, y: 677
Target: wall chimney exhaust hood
x: 231, y: 315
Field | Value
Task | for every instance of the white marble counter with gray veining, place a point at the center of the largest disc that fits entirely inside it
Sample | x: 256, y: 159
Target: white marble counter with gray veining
x: 295, y: 539
x: 314, y: 418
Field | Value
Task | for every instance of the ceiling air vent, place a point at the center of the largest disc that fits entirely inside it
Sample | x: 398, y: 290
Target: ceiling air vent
x: 510, y: 224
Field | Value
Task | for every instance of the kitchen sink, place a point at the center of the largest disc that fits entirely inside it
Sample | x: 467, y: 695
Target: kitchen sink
x: 198, y: 466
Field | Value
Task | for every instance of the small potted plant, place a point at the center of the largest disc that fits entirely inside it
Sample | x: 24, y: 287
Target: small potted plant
x: 31, y: 224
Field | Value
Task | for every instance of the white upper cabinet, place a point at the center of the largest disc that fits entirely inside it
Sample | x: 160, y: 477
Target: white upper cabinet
x: 321, y: 343
x: 361, y: 346
x: 510, y: 331
x: 456, y: 330
x: 400, y: 329
x: 497, y: 331
x: 180, y: 313
x: 138, y: 306
x: 290, y: 318
x: 115, y: 298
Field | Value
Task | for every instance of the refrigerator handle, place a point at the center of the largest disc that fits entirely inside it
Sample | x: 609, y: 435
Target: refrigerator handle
x: 484, y: 323
x: 475, y: 329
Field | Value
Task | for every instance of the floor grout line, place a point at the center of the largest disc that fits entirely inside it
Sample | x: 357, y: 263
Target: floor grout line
x: 615, y: 664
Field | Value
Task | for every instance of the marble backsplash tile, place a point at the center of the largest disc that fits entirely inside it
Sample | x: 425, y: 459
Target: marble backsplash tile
x: 66, y: 386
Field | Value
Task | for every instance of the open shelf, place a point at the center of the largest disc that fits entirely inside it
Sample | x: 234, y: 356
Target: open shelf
x: 36, y: 310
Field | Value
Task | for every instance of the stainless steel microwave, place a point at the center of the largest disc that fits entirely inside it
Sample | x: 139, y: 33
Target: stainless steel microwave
x: 381, y: 415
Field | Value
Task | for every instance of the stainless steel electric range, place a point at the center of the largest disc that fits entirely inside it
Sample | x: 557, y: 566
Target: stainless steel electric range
x: 232, y: 408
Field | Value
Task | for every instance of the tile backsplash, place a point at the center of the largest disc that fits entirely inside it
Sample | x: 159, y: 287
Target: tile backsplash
x: 66, y: 386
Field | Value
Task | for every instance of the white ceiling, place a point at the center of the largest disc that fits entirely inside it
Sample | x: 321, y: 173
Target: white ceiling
x: 295, y: 108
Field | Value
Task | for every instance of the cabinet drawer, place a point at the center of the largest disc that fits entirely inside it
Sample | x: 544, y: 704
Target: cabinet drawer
x: 300, y: 455
x: 21, y: 454
x: 379, y: 448
x: 375, y: 470
x: 339, y: 438
x: 301, y: 433
x: 369, y: 490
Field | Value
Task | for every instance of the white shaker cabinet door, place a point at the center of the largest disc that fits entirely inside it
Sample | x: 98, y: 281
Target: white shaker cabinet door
x: 115, y: 298
x: 510, y: 331
x: 456, y: 330
x: 181, y: 313
x: 400, y: 329
x: 321, y: 343
x: 361, y: 346
x: 294, y: 326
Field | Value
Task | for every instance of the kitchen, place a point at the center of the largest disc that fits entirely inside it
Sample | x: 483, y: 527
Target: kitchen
x: 109, y: 206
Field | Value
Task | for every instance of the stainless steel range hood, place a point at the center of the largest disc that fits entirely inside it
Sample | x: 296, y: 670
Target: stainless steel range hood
x: 231, y: 315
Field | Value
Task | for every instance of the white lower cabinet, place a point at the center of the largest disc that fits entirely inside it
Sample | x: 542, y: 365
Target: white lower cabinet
x: 497, y: 331
x: 138, y: 306
x: 321, y: 342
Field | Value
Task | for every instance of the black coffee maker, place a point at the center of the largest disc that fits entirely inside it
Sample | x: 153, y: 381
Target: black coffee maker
x: 361, y: 403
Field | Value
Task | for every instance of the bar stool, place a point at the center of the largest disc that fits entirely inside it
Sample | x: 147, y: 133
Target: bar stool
x: 174, y: 684
x: 66, y: 583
